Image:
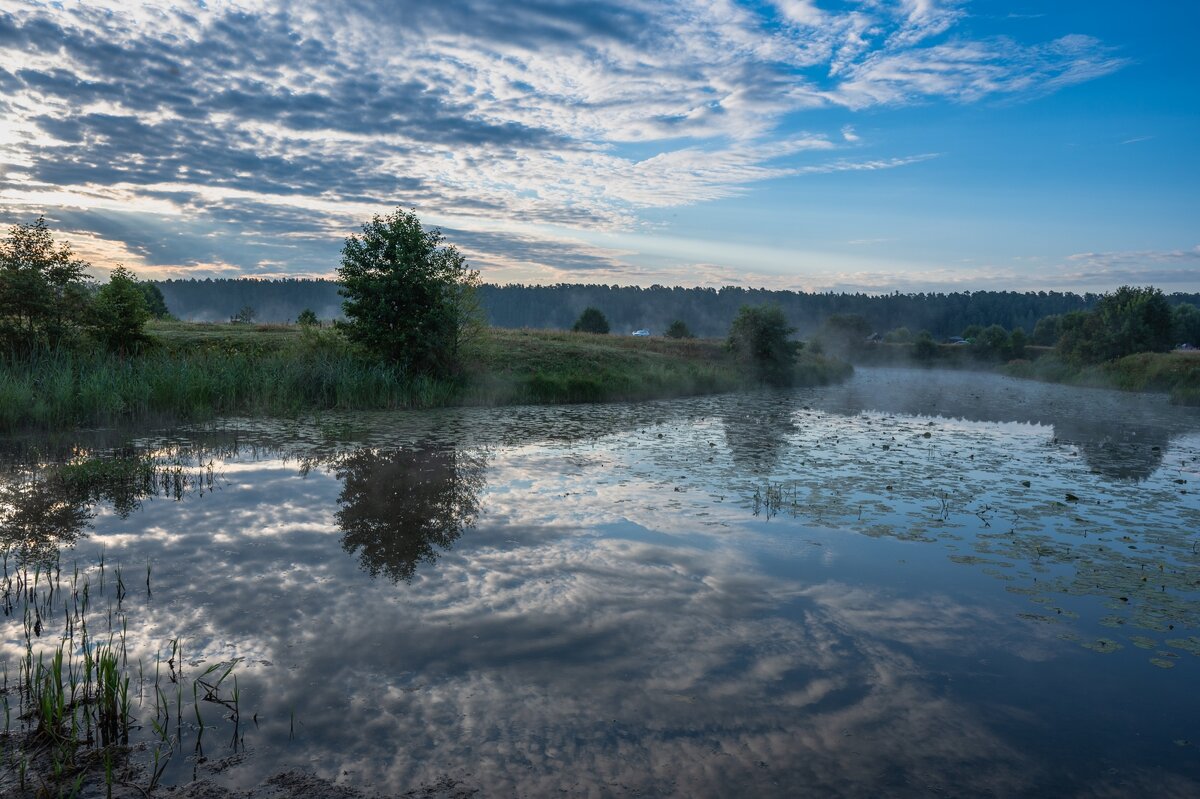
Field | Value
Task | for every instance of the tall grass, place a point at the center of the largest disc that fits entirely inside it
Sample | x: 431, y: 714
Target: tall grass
x: 201, y: 371
x: 73, y: 389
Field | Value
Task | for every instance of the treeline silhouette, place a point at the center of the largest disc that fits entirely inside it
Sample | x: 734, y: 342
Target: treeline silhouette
x: 708, y: 312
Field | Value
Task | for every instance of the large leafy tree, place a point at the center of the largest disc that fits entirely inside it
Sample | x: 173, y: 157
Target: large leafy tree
x: 409, y: 296
x: 1126, y: 321
x: 760, y: 337
x: 43, y: 289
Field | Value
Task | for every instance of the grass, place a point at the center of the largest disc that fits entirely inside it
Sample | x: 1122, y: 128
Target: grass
x: 1174, y: 373
x: 199, y: 371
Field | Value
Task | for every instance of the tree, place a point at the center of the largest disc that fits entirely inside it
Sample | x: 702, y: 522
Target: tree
x: 591, y: 321
x: 156, y: 304
x: 925, y: 348
x: 991, y: 343
x: 245, y: 316
x: 43, y: 289
x: 759, y: 336
x: 679, y: 329
x: 119, y: 314
x: 1136, y: 320
x: 1047, y: 330
x: 308, y: 318
x: 409, y: 296
x: 901, y: 335
x: 1126, y: 321
x: 1017, y: 342
x: 1185, y: 324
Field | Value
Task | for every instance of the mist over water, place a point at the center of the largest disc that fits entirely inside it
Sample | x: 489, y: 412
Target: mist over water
x: 914, y: 582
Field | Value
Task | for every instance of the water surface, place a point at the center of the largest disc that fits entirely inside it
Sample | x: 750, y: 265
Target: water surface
x: 914, y: 583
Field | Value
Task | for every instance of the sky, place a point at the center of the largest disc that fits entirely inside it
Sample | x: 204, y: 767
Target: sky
x: 817, y: 145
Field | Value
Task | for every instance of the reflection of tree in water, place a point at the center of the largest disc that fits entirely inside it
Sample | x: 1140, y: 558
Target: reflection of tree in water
x: 37, y: 518
x: 399, y: 508
x: 46, y: 509
x: 756, y: 430
x: 1122, y: 450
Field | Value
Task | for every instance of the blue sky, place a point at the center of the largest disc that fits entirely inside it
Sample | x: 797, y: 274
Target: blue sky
x: 810, y: 144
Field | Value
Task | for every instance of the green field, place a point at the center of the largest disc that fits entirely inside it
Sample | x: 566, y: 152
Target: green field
x: 196, y: 371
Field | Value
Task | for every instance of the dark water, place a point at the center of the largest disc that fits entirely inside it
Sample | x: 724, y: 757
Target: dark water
x: 913, y: 584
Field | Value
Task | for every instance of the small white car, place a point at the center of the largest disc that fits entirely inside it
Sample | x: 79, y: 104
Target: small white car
x: 642, y: 332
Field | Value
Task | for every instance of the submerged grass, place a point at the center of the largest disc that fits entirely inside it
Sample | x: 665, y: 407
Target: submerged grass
x: 202, y: 370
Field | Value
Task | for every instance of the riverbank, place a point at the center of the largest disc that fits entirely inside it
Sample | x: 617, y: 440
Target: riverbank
x: 1176, y: 373
x: 197, y: 371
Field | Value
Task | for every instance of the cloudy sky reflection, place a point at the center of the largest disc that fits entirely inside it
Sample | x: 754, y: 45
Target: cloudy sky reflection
x: 604, y: 612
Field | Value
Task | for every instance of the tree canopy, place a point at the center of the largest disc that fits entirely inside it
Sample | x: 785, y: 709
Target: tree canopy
x: 409, y: 296
x: 119, y: 313
x: 759, y: 336
x: 43, y: 289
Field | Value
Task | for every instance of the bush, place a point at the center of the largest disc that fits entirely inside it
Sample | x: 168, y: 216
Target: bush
x: 678, y: 329
x: 591, y: 321
x: 308, y: 318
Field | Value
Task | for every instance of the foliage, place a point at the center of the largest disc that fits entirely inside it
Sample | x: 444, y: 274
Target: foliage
x: 679, y: 329
x: 244, y: 316
x: 1127, y: 321
x: 990, y: 343
x: 925, y: 349
x: 1185, y: 324
x: 308, y: 318
x: 156, y: 304
x: 592, y: 320
x: 901, y: 335
x: 43, y: 290
x: 409, y: 297
x: 759, y: 337
x: 118, y: 314
x: 1047, y: 330
x: 1017, y: 341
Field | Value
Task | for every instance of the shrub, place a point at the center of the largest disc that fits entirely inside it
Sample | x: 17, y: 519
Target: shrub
x: 591, y: 321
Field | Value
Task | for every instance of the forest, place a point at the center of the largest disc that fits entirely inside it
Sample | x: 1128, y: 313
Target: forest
x: 707, y: 312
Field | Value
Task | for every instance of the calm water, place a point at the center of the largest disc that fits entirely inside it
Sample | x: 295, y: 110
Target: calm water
x: 912, y: 584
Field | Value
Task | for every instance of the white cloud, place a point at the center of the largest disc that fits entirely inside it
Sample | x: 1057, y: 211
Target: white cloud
x: 525, y: 117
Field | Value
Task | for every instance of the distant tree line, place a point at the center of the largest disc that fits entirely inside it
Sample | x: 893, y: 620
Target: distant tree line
x: 706, y: 312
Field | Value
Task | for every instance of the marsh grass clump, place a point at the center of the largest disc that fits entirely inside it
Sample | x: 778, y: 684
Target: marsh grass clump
x: 79, y: 710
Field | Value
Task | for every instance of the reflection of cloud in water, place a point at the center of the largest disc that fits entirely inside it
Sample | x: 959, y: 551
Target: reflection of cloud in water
x: 615, y: 617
